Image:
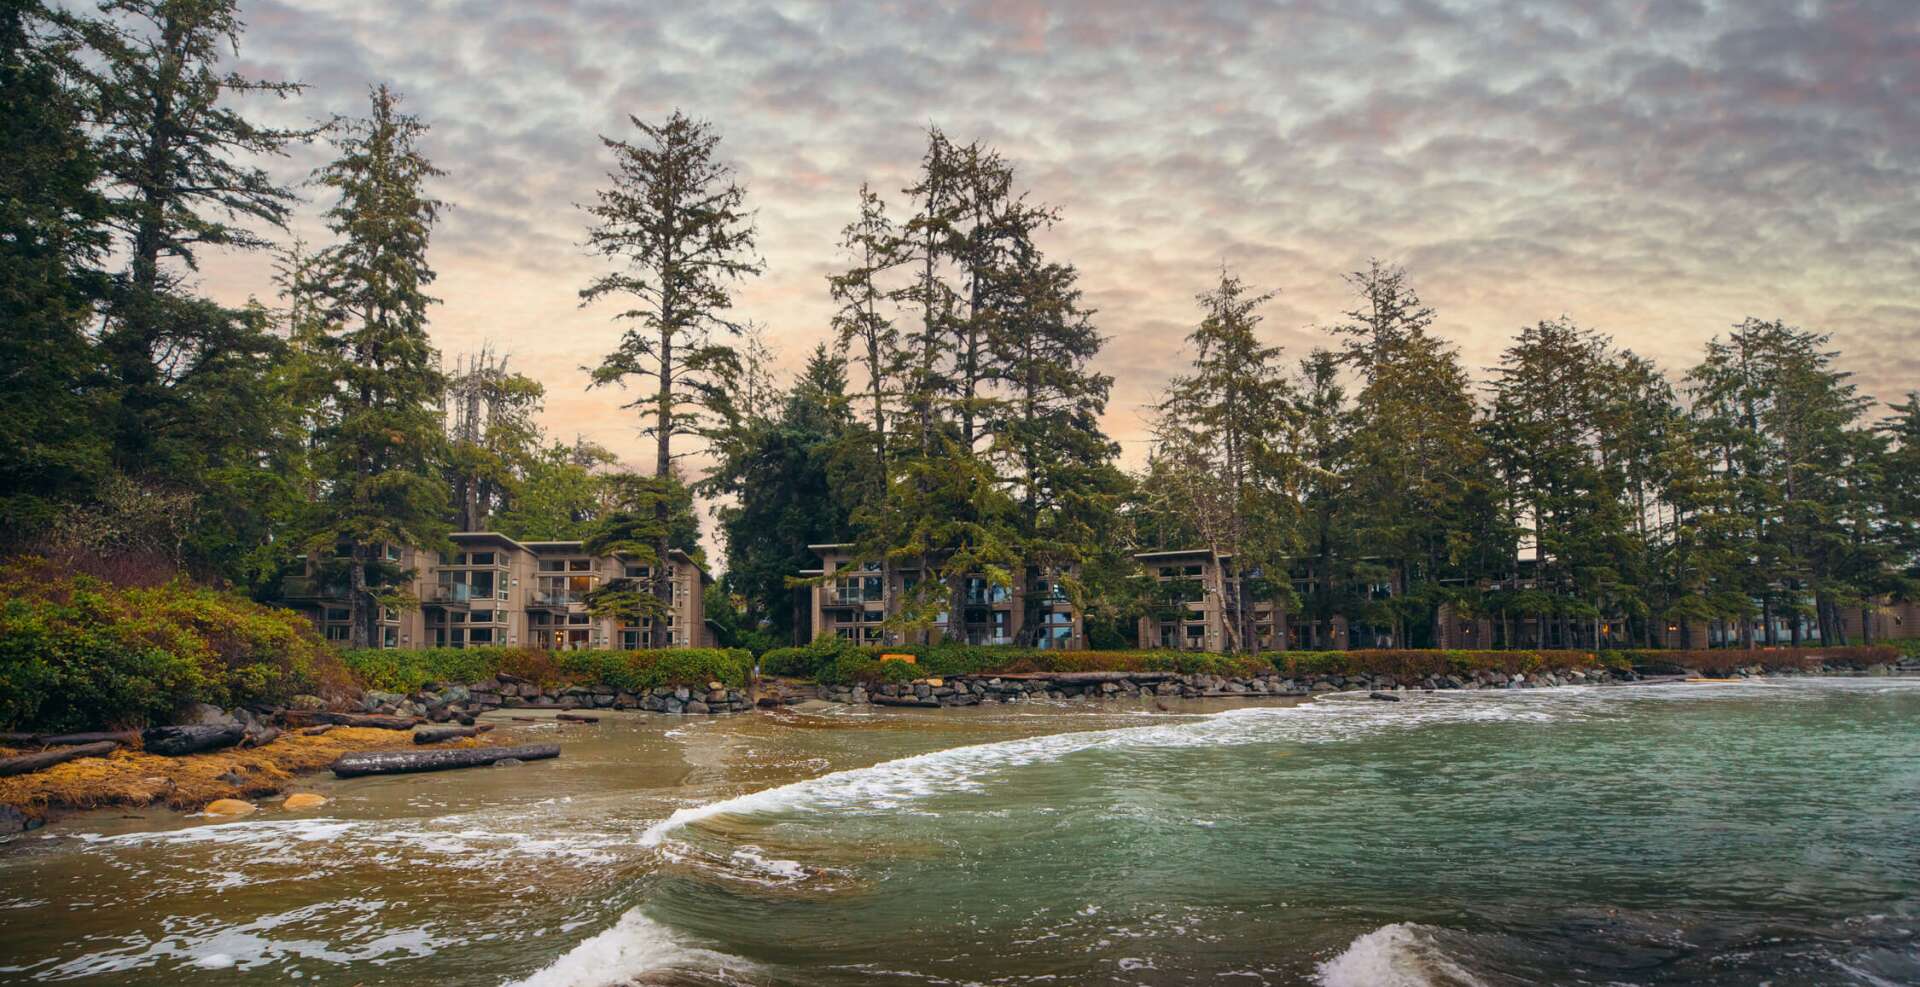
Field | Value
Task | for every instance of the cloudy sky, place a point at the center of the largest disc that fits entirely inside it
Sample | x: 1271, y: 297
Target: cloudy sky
x: 1657, y: 169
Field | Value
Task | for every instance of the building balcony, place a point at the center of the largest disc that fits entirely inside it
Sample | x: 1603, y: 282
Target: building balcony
x: 309, y: 588
x: 840, y: 597
x: 554, y: 599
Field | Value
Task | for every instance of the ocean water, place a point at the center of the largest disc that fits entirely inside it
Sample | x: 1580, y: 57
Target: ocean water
x: 1740, y: 833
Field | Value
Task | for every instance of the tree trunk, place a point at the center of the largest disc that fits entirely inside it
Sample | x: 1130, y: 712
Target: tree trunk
x: 46, y: 759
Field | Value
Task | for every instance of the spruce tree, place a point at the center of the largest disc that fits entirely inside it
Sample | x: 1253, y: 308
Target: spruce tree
x: 379, y: 453
x: 674, y: 219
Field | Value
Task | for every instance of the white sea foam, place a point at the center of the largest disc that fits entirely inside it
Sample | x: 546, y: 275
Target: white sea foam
x: 1397, y: 955
x: 894, y: 785
x: 635, y: 945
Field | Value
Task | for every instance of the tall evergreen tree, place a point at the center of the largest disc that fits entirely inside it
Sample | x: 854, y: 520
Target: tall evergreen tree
x: 51, y: 250
x: 1229, y: 437
x: 379, y: 452
x: 675, y: 219
x: 178, y: 160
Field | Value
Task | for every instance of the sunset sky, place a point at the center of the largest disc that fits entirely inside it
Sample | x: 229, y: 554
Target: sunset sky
x: 1656, y: 169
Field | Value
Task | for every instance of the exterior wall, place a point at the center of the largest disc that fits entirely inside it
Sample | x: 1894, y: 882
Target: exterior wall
x: 1886, y: 621
x: 1203, y: 624
x: 852, y: 599
x: 490, y: 589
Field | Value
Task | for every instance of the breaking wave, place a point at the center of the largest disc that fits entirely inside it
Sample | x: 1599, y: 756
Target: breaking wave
x: 1397, y: 955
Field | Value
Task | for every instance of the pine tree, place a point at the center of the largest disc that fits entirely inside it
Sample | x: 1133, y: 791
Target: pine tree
x: 51, y: 250
x: 674, y: 218
x: 1229, y: 439
x: 380, y: 452
x: 492, y: 437
x: 861, y: 326
x: 177, y: 157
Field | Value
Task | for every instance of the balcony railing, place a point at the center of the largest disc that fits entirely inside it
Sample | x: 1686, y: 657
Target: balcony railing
x: 452, y: 593
x: 554, y: 598
x: 309, y: 588
x: 842, y: 597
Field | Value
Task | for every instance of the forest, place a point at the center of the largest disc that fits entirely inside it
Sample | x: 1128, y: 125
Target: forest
x: 949, y: 416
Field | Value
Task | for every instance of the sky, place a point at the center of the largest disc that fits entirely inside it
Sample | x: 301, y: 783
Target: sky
x: 1654, y: 169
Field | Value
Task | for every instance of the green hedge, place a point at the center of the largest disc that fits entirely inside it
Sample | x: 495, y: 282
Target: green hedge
x: 396, y: 670
x: 1411, y: 664
x: 77, y: 653
x: 1725, y: 660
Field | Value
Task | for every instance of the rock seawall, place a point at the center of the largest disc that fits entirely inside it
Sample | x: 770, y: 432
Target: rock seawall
x: 442, y: 703
x: 968, y: 690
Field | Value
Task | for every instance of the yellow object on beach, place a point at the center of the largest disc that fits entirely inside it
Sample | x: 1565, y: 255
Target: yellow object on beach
x: 229, y: 807
x: 305, y: 800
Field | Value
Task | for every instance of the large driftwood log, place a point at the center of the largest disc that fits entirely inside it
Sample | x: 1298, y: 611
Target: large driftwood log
x: 576, y: 718
x: 404, y: 762
x: 301, y: 718
x: 177, y: 740
x: 48, y: 758
x: 434, y: 735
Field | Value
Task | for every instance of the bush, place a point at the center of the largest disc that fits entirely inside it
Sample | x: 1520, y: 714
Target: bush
x: 1410, y: 664
x: 393, y: 670
x: 78, y: 653
x: 1723, y: 661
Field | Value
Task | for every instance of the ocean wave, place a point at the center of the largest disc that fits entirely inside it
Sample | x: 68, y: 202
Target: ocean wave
x: 896, y: 784
x: 1397, y: 955
x: 634, y: 946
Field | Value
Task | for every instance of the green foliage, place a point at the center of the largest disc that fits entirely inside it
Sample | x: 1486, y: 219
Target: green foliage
x: 395, y: 670
x: 78, y: 653
x: 1721, y: 661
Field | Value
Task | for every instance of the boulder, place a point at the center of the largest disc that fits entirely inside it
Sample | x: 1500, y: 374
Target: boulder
x: 13, y: 821
x: 205, y: 715
x: 304, y: 800
x: 230, y: 807
x: 696, y: 706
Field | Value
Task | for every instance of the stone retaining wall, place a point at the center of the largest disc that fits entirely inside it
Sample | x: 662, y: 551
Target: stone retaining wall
x: 508, y: 692
x: 969, y: 690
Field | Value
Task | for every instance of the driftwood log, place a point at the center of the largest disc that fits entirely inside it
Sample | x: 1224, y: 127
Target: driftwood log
x: 126, y: 737
x: 406, y: 762
x: 434, y: 735
x: 301, y: 718
x: 316, y: 731
x: 48, y: 758
x: 260, y: 736
x: 177, y: 740
x: 576, y: 718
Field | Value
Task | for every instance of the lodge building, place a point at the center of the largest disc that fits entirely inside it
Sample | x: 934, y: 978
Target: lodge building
x: 491, y: 589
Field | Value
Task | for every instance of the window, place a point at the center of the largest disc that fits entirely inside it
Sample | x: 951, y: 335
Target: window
x: 390, y: 637
x: 1192, y: 570
x: 337, y: 632
x: 630, y: 640
x: 553, y: 565
x: 579, y: 565
x: 339, y: 613
x: 480, y: 635
x: 480, y: 558
x: 638, y: 572
x: 481, y: 617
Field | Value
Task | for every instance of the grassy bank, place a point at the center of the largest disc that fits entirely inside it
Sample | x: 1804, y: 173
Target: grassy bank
x: 1723, y: 661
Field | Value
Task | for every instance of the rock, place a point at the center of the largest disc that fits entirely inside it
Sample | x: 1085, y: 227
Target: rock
x: 230, y: 807
x: 696, y: 706
x: 304, y: 800
x: 716, y: 696
x: 13, y: 821
x: 205, y: 715
x: 485, y: 698
x: 715, y: 687
x: 508, y: 762
x: 1385, y: 697
x: 304, y: 701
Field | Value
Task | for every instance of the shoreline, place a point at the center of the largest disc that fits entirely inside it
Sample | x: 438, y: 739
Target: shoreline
x: 129, y: 778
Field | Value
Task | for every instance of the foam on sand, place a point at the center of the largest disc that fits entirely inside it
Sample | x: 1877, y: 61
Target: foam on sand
x: 1397, y: 955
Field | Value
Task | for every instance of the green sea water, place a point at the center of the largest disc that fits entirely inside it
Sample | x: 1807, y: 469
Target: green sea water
x: 1743, y: 833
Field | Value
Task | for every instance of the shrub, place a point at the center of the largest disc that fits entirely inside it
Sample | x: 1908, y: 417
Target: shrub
x: 407, y: 671
x: 79, y: 653
x: 1724, y: 661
